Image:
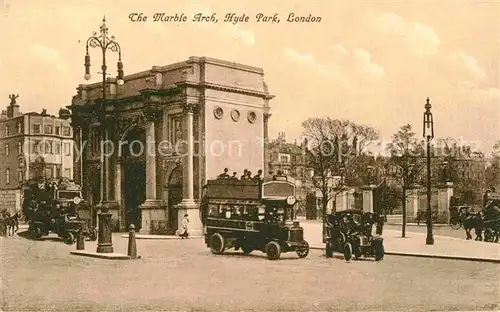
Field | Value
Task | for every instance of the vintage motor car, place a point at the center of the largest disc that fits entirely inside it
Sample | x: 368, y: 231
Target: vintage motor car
x: 252, y: 215
x: 52, y: 206
x: 350, y: 232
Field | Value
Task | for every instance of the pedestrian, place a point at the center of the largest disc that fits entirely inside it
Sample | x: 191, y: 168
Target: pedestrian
x: 245, y: 175
x: 224, y: 175
x: 185, y: 222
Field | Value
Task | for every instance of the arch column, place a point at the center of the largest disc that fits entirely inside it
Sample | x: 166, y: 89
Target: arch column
x: 152, y: 210
x: 188, y: 204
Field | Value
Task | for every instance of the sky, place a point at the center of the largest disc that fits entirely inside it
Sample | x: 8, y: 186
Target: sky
x: 371, y: 62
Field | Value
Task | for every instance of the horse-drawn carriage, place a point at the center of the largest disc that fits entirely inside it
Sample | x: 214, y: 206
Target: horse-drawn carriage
x: 458, y: 214
x: 52, y: 206
x: 350, y: 232
x: 486, y: 221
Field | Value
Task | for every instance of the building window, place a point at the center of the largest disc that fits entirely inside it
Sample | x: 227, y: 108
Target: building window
x: 36, y: 128
x: 48, y: 129
x: 67, y: 173
x: 19, y: 148
x: 36, y: 147
x: 58, y: 172
x: 20, y: 176
x: 48, y: 147
x: 48, y: 172
x: 58, y: 130
x: 66, y: 131
x: 7, y: 151
x: 7, y: 176
x: 67, y: 149
x: 19, y: 127
x: 57, y: 148
x: 7, y: 130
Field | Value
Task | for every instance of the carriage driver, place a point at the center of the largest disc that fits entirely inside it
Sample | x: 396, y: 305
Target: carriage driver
x: 491, y: 211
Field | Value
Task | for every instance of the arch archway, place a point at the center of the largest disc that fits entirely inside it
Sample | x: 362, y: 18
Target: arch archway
x: 132, y: 154
x: 175, y: 193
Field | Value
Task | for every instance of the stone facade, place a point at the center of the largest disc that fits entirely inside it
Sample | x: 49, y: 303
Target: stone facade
x: 24, y: 138
x: 195, y: 117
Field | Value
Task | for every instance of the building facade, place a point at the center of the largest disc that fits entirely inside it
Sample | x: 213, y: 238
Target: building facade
x: 192, y: 118
x: 25, y: 139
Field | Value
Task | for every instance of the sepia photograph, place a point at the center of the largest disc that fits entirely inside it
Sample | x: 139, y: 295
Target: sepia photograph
x: 278, y: 155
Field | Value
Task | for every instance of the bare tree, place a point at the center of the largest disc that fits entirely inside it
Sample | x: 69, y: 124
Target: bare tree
x: 493, y: 169
x: 333, y: 148
x: 406, y: 162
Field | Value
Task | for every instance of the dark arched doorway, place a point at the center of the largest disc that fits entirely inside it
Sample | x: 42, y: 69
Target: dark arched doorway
x: 174, y: 197
x: 133, y: 151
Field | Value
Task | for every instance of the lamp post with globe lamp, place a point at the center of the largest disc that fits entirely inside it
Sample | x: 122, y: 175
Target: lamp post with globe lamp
x: 105, y: 44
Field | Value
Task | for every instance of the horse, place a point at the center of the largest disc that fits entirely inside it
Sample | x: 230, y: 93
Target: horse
x: 474, y: 221
x: 13, y: 224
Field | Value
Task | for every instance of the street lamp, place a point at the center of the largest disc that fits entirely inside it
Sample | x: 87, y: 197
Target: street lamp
x: 428, y: 133
x: 105, y: 43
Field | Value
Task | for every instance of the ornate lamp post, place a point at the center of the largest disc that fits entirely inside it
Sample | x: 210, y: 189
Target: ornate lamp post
x: 428, y: 133
x: 105, y: 43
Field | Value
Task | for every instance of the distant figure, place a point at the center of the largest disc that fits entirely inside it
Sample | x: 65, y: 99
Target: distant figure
x: 485, y: 197
x: 234, y: 177
x: 258, y: 176
x: 225, y: 174
x: 185, y: 222
x: 244, y: 176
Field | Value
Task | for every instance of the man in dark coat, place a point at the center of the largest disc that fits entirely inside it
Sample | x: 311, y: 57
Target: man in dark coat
x: 258, y: 176
x: 245, y: 175
x: 224, y: 175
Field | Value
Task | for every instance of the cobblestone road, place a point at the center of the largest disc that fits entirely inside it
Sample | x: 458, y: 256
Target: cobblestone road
x: 178, y: 275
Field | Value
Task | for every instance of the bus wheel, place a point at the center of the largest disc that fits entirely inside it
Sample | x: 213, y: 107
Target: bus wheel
x: 273, y: 250
x: 217, y: 244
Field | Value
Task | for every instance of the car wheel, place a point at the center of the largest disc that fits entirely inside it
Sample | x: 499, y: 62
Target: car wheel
x: 36, y: 232
x: 217, y: 244
x: 341, y: 242
x: 357, y: 252
x: 329, y: 249
x: 455, y: 224
x: 273, y: 250
x: 347, y: 251
x: 69, y: 238
x: 378, y: 250
x: 303, y: 251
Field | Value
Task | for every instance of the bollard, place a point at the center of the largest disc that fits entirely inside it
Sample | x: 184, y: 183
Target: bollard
x: 132, y: 247
x: 80, y: 241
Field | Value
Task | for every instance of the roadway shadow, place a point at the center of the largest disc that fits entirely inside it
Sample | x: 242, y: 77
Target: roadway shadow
x: 25, y: 235
x: 256, y: 255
